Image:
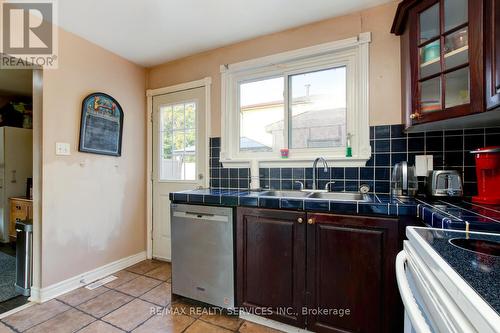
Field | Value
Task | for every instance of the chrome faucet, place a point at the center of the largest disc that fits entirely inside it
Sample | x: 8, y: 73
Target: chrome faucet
x: 315, y: 165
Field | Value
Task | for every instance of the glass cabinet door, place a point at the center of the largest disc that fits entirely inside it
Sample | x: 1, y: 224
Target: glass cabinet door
x: 443, y: 57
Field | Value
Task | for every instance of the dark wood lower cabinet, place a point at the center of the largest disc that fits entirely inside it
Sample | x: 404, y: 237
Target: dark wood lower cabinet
x: 270, y: 264
x: 351, y: 280
x: 323, y: 272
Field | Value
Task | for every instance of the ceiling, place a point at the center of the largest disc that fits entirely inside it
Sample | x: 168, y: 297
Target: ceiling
x: 150, y: 32
x: 15, y: 82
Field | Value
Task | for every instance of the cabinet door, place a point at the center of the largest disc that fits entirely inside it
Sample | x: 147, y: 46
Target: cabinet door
x: 446, y: 59
x: 492, y: 52
x: 350, y: 267
x: 271, y: 263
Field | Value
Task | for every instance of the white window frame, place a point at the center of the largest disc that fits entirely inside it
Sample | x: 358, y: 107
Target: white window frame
x: 352, y: 53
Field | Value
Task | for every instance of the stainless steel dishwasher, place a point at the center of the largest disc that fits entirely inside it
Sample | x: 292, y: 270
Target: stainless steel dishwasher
x: 202, y: 254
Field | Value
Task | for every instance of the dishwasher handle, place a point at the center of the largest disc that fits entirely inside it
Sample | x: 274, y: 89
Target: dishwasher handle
x: 201, y: 216
x: 411, y: 307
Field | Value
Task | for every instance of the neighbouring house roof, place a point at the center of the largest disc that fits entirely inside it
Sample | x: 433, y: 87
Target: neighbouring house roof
x: 319, y: 118
x: 247, y: 143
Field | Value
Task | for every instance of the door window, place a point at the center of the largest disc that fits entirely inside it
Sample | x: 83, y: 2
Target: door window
x: 178, y: 141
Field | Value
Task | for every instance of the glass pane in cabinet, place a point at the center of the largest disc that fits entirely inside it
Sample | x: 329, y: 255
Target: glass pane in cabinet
x: 430, y: 56
x: 429, y: 23
x: 457, y: 88
x: 455, y: 13
x: 456, y: 48
x: 430, y: 95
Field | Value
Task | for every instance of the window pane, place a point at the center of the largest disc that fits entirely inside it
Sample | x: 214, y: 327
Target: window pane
x: 178, y: 116
x: 430, y: 56
x: 262, y: 115
x: 456, y: 48
x: 430, y: 98
x: 318, y: 109
x: 455, y: 13
x: 166, y: 118
x: 429, y: 23
x: 457, y: 88
x: 178, y: 142
x: 190, y: 121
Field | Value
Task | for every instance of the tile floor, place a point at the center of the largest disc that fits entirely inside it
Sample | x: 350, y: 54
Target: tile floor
x: 139, y: 300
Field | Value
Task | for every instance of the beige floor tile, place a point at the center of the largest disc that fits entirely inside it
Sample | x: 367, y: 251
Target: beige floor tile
x: 161, y: 295
x: 66, y: 322
x: 138, y: 286
x: 130, y: 315
x: 164, y: 272
x: 168, y: 323
x: 105, y: 303
x: 100, y: 327
x: 35, y: 314
x: 145, y: 266
x: 249, y: 327
x: 5, y: 329
x: 200, y: 326
x: 230, y: 322
x: 183, y: 307
x: 123, y: 277
x: 80, y: 295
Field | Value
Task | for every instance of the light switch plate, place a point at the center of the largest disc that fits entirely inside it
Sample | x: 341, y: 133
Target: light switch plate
x: 63, y: 149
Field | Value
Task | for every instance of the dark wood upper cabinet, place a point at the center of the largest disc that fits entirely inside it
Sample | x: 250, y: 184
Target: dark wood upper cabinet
x: 449, y: 50
x: 270, y: 263
x: 492, y: 52
x: 350, y: 265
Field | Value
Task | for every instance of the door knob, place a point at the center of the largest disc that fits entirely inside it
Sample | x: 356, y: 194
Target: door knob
x: 310, y: 221
x: 300, y: 220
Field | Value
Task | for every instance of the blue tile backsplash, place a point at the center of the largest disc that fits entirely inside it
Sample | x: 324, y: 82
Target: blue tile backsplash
x: 390, y: 145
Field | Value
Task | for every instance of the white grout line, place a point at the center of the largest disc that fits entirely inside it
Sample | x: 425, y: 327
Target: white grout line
x: 440, y: 210
x: 470, y: 211
x: 484, y: 207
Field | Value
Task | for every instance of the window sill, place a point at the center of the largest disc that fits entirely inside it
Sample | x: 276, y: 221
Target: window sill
x: 340, y: 161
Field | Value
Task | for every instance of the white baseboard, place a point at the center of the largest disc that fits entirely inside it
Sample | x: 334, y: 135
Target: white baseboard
x: 271, y: 323
x: 45, y: 294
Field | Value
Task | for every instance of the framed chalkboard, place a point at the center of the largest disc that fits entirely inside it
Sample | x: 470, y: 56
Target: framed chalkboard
x: 101, y: 125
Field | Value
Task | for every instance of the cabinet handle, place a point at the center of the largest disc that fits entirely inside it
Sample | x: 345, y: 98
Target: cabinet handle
x: 415, y: 115
x: 310, y: 221
x: 300, y: 220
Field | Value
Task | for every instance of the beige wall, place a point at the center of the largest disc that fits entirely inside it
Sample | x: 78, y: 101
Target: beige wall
x: 93, y: 205
x: 385, y: 79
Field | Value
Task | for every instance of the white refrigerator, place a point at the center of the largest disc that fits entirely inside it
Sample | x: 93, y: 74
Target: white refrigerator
x: 16, y: 166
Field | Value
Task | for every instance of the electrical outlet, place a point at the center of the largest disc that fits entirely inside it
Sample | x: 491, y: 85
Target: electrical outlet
x: 63, y: 149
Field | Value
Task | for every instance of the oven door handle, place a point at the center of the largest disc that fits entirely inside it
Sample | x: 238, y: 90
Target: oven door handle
x: 411, y: 307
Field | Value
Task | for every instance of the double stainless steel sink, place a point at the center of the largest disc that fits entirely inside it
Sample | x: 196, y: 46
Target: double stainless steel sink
x: 336, y: 196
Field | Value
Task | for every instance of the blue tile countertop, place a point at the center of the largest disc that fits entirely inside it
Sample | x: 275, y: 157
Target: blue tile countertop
x: 480, y: 271
x: 379, y: 204
x: 434, y: 213
x: 457, y: 214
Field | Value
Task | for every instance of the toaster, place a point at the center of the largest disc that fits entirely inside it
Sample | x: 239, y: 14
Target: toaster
x: 444, y: 183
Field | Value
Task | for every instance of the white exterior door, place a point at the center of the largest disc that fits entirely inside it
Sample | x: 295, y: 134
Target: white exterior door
x: 179, y: 156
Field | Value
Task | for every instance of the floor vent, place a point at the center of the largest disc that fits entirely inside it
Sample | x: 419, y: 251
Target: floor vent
x: 101, y: 282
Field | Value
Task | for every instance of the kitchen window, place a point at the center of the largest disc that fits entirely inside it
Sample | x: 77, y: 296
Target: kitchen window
x: 307, y: 101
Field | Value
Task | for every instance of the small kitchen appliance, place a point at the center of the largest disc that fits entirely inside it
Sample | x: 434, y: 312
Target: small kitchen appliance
x: 488, y: 175
x: 404, y: 180
x: 444, y: 183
